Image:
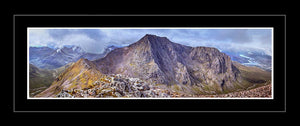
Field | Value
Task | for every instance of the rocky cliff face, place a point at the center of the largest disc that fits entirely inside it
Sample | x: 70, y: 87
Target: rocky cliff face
x: 159, y: 60
x: 213, y: 67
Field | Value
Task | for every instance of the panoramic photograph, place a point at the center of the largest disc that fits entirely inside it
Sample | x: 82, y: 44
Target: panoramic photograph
x: 150, y: 63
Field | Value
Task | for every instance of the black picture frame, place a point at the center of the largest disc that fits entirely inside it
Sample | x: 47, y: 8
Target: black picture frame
x: 23, y: 105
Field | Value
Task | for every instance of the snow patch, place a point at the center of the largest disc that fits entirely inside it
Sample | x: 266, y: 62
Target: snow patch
x: 241, y: 55
x: 58, y: 50
x: 74, y: 48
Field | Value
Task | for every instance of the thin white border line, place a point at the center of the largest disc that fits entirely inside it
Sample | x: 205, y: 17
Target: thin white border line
x: 150, y: 28
x: 272, y: 71
x: 194, y: 98
x: 28, y: 63
x: 147, y: 15
x: 150, y: 111
x: 14, y: 64
x: 285, y: 63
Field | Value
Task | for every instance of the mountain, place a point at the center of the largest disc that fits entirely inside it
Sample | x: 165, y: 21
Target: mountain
x: 161, y: 61
x: 110, y: 48
x: 36, y: 55
x: 154, y: 63
x: 48, y: 58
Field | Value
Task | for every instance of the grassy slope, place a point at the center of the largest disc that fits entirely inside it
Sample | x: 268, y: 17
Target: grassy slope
x: 77, y: 76
x: 253, y: 74
x: 40, y: 79
x: 252, y: 77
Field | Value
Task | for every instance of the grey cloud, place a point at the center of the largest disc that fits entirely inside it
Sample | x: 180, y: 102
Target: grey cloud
x: 98, y: 39
x: 92, y: 33
x: 231, y: 35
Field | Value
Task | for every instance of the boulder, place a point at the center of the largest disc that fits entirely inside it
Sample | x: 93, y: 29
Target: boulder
x: 137, y: 84
x: 146, y: 87
x: 140, y: 88
x: 118, y: 94
x: 106, y: 91
x: 137, y: 94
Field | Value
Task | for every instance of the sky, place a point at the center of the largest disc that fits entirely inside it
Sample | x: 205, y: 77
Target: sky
x: 95, y: 40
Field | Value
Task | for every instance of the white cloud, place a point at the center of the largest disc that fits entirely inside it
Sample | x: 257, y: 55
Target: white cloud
x: 84, y: 41
x: 39, y: 37
x: 95, y: 40
x: 42, y: 37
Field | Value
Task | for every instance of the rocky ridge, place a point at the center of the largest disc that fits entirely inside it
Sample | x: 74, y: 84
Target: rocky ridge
x: 116, y: 86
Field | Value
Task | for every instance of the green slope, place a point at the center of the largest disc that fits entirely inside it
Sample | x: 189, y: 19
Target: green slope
x: 41, y: 79
x: 252, y: 77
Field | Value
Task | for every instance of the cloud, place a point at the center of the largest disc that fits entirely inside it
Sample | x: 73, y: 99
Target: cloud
x: 91, y: 33
x: 91, y: 40
x: 262, y: 37
x: 96, y: 40
x: 81, y: 40
x: 39, y: 37
x: 229, y: 35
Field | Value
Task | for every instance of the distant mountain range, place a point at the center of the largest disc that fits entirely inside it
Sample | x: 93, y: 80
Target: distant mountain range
x: 157, y: 61
x: 49, y: 58
x: 252, y: 57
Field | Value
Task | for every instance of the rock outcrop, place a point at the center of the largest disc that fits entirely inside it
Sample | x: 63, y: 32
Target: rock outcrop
x: 116, y: 86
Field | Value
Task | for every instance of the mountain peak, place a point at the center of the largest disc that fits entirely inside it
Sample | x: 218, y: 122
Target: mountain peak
x: 85, y: 64
x: 151, y: 39
x: 151, y: 36
x: 83, y: 61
